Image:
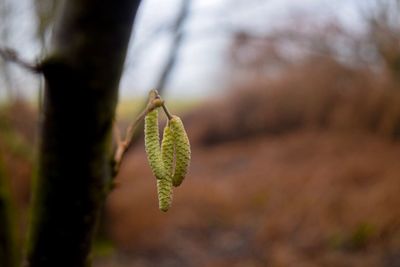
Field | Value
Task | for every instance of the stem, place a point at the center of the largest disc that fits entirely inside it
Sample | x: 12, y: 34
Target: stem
x: 166, y: 111
x: 154, y: 101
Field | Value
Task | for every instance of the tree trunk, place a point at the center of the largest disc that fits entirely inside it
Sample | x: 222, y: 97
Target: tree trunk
x: 74, y: 167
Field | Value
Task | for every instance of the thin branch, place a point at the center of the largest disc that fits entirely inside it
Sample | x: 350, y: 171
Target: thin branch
x: 166, y: 111
x: 11, y: 55
x: 117, y: 134
x: 154, y: 101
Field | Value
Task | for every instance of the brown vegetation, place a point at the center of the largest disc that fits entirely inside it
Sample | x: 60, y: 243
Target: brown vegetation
x: 301, y: 170
x: 320, y: 94
x: 298, y: 170
x: 17, y: 132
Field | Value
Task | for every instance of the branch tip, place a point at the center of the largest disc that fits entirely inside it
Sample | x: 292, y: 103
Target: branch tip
x: 11, y: 55
x: 154, y: 101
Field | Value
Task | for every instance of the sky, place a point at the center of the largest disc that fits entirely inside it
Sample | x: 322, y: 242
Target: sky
x: 201, y: 68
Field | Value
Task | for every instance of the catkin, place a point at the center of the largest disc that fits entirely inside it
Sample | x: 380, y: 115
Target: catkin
x: 174, y: 150
x: 164, y: 192
x: 164, y: 185
x: 152, y: 144
x: 167, y: 150
x: 182, y: 150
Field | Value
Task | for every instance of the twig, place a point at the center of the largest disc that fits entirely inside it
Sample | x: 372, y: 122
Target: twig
x: 11, y: 55
x: 166, y: 111
x: 154, y: 101
x: 117, y: 133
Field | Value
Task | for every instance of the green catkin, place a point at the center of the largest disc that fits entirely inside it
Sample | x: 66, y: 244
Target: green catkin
x: 164, y: 192
x: 152, y: 144
x: 167, y: 150
x: 175, y: 149
x: 182, y: 150
x: 164, y: 185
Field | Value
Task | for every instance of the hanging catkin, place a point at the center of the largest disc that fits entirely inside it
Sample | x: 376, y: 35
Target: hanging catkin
x: 152, y: 144
x: 164, y: 185
x: 182, y: 150
x: 164, y: 192
x: 170, y: 161
x: 168, y: 150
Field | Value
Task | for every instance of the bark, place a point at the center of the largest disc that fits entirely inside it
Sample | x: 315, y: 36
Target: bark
x: 74, y: 170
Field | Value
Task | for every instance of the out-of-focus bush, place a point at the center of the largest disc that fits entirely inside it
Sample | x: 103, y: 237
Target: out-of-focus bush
x: 318, y: 93
x: 17, y: 133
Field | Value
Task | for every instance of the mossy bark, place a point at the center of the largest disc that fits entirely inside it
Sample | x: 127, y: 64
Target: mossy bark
x: 82, y: 75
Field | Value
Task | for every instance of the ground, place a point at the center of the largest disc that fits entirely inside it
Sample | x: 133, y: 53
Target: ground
x: 306, y: 198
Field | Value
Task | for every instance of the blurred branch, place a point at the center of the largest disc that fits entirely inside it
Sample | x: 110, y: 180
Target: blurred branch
x: 45, y: 11
x: 5, y: 13
x: 11, y: 55
x: 175, y: 46
x: 145, y: 41
x: 8, y: 83
x: 383, y: 33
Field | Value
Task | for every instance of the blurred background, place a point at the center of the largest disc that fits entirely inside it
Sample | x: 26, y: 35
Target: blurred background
x: 293, y: 112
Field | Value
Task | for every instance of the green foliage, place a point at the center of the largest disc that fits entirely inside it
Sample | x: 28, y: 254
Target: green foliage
x: 356, y: 239
x: 361, y: 235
